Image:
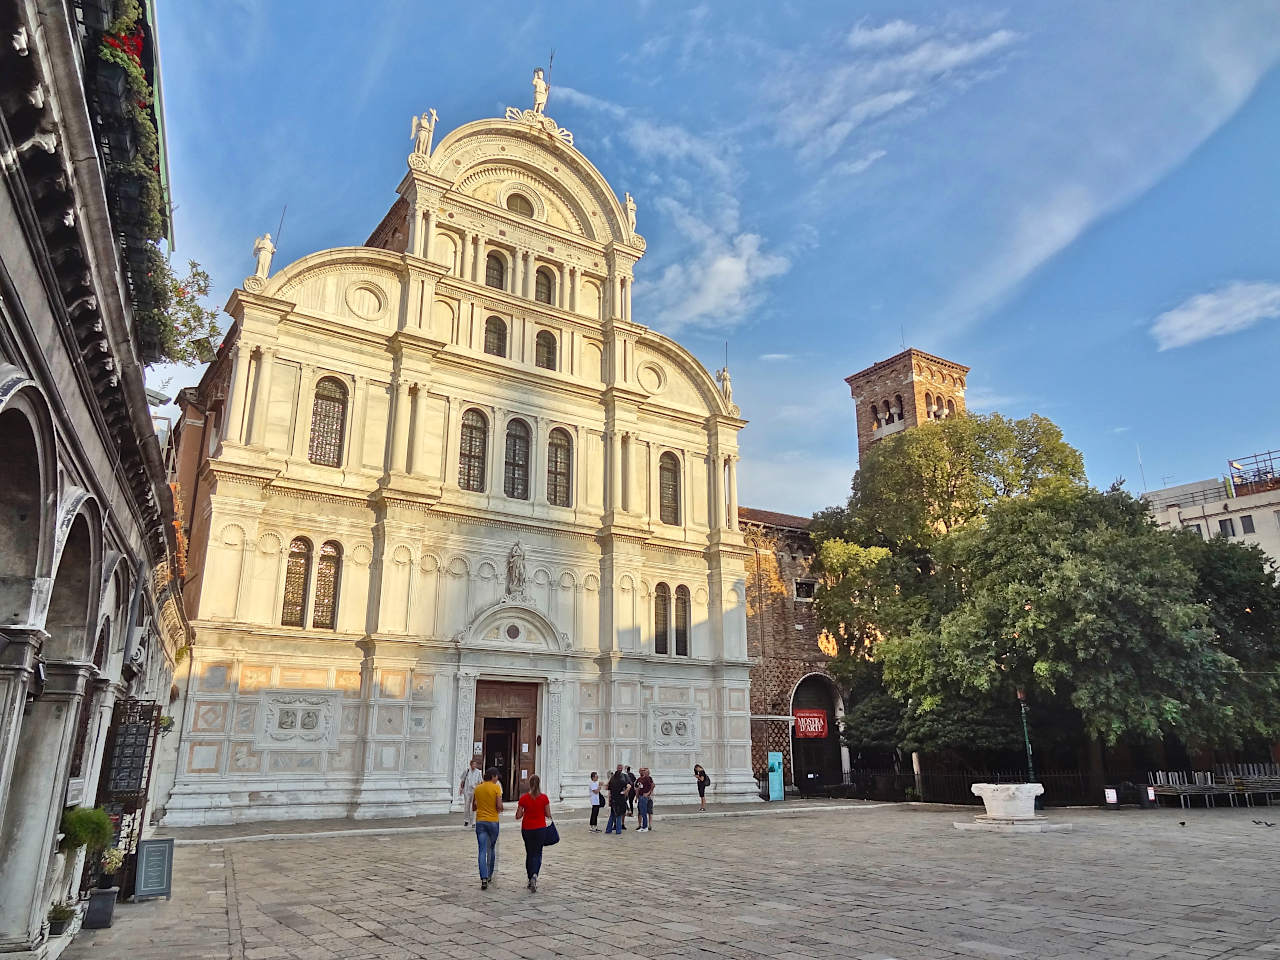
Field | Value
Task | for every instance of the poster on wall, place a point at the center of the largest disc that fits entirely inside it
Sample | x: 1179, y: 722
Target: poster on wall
x: 811, y: 724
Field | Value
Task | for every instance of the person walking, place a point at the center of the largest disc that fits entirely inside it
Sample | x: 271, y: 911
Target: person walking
x: 703, y: 781
x: 487, y: 804
x: 467, y: 788
x: 644, y: 798
x: 533, y: 810
x: 617, y: 801
x: 597, y: 801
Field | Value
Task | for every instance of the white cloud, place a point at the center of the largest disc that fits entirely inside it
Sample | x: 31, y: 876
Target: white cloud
x: 892, y: 33
x: 852, y: 168
x: 776, y: 357
x: 986, y: 400
x: 711, y: 271
x: 888, y: 68
x: 1228, y: 309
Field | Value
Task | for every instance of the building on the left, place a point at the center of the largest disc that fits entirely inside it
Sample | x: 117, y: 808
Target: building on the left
x: 89, y: 622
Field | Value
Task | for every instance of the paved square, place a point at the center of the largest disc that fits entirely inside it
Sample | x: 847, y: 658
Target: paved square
x: 866, y: 884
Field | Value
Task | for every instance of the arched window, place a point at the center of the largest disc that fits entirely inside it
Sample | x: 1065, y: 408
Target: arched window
x: 471, y: 454
x: 888, y: 412
x: 515, y: 481
x: 682, y: 621
x: 544, y: 286
x: 669, y: 489
x: 296, y: 575
x: 520, y: 204
x: 328, y: 578
x: 951, y: 407
x: 661, y: 618
x: 897, y: 406
x: 875, y: 415
x: 495, y: 337
x: 495, y: 271
x: 544, y: 353
x: 328, y: 423
x: 928, y: 405
x: 559, y: 468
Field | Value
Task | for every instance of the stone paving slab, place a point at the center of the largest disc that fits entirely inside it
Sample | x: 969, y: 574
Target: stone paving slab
x: 888, y: 882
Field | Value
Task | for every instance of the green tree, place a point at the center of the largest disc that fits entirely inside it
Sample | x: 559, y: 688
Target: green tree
x: 174, y: 322
x: 1072, y: 594
x: 1237, y: 584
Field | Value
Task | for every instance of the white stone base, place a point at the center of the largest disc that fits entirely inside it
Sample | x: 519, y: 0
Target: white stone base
x: 1013, y: 825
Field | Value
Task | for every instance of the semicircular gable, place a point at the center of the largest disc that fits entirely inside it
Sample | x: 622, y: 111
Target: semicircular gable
x: 681, y: 381
x: 473, y: 146
x: 492, y: 181
x: 361, y: 285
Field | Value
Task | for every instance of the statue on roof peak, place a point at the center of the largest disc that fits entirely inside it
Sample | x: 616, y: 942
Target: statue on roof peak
x: 540, y: 91
x: 422, y: 130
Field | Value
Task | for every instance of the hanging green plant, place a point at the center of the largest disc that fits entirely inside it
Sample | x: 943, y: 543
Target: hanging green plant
x: 88, y: 827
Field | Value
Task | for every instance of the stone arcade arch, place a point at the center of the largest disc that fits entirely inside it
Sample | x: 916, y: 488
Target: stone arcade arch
x: 26, y: 493
x: 817, y: 763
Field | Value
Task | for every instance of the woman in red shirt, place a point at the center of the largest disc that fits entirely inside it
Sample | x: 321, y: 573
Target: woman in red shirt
x: 533, y: 811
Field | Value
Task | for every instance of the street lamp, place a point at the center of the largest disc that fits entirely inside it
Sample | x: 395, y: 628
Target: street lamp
x: 1026, y: 735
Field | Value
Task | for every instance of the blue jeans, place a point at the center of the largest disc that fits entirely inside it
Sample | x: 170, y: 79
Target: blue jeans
x: 534, y: 840
x: 646, y: 807
x: 615, y: 819
x: 487, y: 838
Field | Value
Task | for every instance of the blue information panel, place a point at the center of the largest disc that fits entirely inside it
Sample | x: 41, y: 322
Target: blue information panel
x: 775, y: 776
x: 155, y: 869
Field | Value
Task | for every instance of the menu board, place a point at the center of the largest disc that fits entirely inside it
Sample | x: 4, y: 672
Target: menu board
x: 155, y: 869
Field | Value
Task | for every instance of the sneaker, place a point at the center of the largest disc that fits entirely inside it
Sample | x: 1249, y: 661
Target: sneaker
x: 465, y: 824
x: 484, y: 884
x: 533, y: 884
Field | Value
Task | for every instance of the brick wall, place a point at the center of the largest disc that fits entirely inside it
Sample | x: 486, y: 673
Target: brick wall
x: 914, y: 376
x: 782, y: 634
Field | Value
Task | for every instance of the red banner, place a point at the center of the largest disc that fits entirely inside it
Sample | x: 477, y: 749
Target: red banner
x: 811, y: 723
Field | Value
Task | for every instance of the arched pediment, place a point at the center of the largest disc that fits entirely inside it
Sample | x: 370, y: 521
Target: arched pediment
x: 470, y: 150
x: 514, y: 623
x: 361, y: 285
x: 672, y: 375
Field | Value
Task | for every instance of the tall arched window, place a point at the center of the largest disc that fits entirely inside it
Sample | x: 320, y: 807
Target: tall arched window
x: 471, y: 454
x: 928, y: 405
x: 951, y: 407
x: 544, y: 352
x: 669, y: 489
x: 515, y: 482
x: 495, y: 336
x: 328, y: 422
x: 897, y: 406
x: 888, y: 412
x: 544, y: 286
x: 328, y: 577
x: 495, y: 271
x: 559, y: 468
x: 296, y: 575
x: 682, y: 621
x: 875, y: 415
x: 661, y: 618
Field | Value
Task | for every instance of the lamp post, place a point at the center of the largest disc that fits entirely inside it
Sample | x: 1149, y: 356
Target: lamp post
x: 1026, y: 735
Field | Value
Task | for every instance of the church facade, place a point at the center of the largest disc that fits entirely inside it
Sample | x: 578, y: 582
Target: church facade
x: 448, y: 499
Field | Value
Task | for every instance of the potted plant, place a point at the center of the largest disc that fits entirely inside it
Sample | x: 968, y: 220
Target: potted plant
x: 60, y: 915
x: 165, y: 724
x: 86, y: 827
x: 112, y: 861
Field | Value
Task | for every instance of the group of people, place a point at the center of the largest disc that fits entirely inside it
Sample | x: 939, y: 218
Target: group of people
x: 627, y: 793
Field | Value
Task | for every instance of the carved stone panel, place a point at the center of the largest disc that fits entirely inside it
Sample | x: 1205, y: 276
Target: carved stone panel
x: 298, y: 720
x: 674, y: 728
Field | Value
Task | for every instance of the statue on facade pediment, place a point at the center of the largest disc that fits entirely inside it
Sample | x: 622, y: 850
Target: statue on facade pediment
x: 631, y: 212
x: 540, y: 91
x: 726, y: 384
x: 422, y: 130
x: 515, y: 571
x: 263, y: 249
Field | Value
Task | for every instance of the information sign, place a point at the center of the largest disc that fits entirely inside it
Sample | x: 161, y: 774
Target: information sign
x: 811, y: 723
x: 155, y: 869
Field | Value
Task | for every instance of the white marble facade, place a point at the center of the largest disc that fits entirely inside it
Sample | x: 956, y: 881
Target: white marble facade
x: 504, y: 220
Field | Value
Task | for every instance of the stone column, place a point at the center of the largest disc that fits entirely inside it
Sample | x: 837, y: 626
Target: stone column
x: 517, y: 274
x: 355, y: 448
x: 575, y: 281
x: 553, y: 764
x: 477, y: 259
x: 716, y: 462
x: 428, y: 231
x: 563, y: 299
x: 497, y: 452
x: 34, y: 804
x: 452, y: 441
x: 732, y: 484
x: 17, y: 657
x: 302, y: 418
x: 262, y: 396
x: 238, y: 392
x: 414, y: 464
x: 400, y: 438
x: 626, y: 299
x: 464, y: 256
x: 615, y: 470
x: 464, y: 719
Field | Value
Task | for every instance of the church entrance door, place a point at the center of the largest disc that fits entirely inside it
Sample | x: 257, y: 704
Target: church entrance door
x: 507, y: 726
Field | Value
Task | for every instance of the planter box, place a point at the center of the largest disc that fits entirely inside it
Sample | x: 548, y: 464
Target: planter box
x: 112, y: 85
x: 102, y: 905
x: 97, y: 15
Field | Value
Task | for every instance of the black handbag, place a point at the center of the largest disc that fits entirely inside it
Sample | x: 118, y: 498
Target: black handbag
x: 551, y: 836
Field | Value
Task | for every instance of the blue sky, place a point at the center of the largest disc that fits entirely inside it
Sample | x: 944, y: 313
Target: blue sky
x: 1079, y: 201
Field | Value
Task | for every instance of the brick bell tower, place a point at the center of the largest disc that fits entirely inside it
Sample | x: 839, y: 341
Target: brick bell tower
x: 904, y: 391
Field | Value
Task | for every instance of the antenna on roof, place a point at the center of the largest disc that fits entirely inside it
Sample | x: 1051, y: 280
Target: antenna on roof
x: 1142, y: 473
x: 550, y: 60
x: 726, y: 354
x: 280, y: 227
x: 902, y: 336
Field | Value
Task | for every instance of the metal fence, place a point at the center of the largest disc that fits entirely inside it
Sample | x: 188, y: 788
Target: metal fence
x: 1061, y: 787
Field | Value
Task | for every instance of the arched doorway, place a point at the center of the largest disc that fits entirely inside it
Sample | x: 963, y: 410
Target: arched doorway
x: 815, y: 736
